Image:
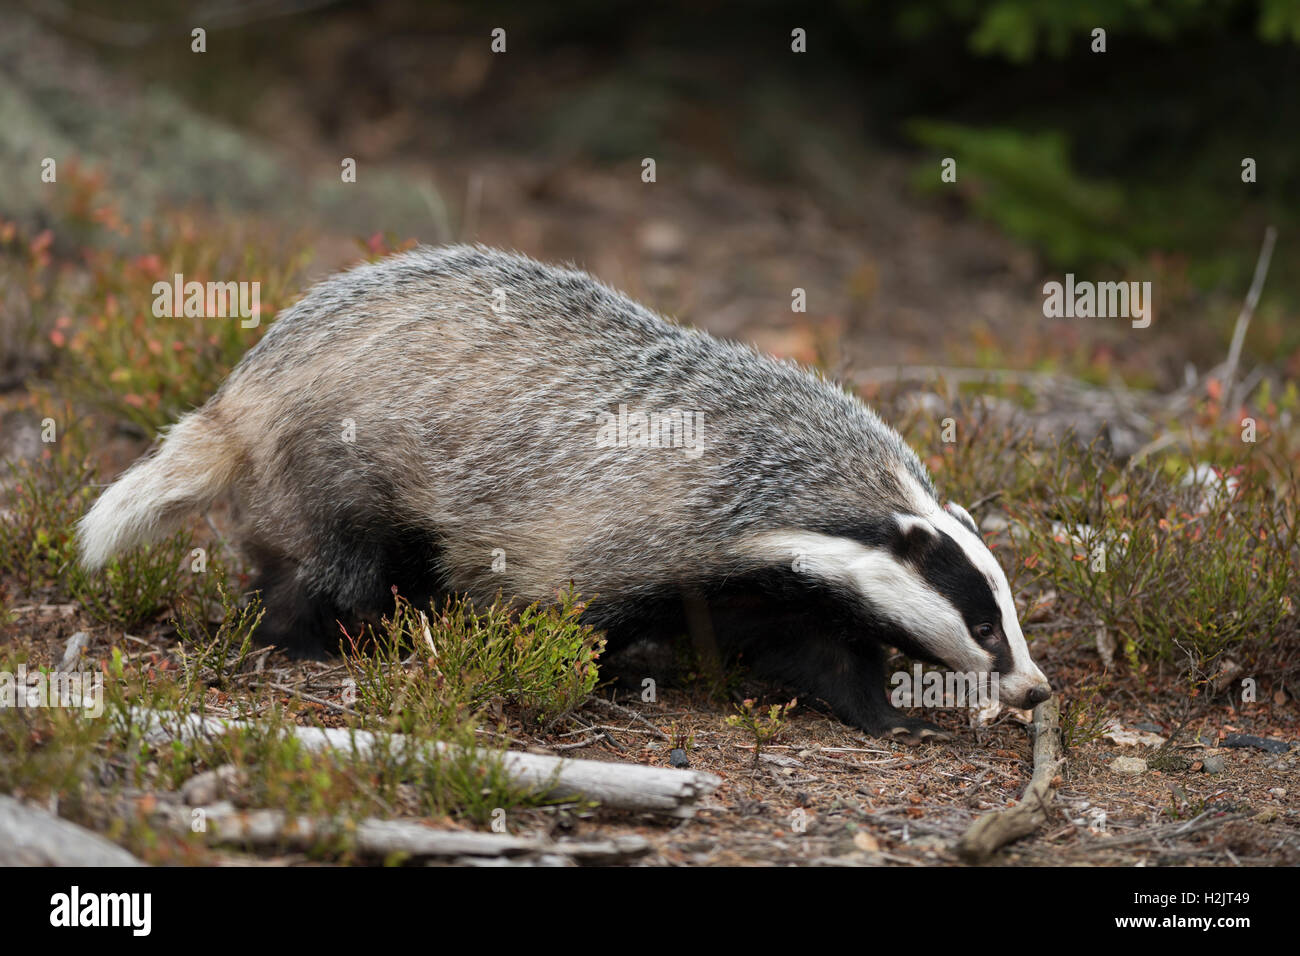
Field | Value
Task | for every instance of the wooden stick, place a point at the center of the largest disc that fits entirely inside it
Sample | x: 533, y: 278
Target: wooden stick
x: 1247, y: 310
x: 30, y: 836
x: 619, y: 785
x: 994, y: 830
x: 226, y: 826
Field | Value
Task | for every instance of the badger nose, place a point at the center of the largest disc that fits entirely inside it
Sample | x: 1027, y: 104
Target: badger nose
x: 1038, y: 694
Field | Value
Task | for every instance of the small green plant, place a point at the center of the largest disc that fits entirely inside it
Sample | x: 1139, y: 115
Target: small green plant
x: 1183, y: 807
x: 763, y: 727
x: 1085, y: 717
x: 138, y: 363
x: 44, y: 750
x: 140, y: 585
x: 439, y: 668
x: 38, y: 521
x: 216, y: 657
x: 46, y: 497
x: 682, y: 738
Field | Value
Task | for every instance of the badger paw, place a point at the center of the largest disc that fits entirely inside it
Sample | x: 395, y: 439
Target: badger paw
x: 912, y: 731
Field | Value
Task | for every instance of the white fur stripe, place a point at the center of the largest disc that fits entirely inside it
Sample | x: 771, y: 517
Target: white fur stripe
x: 892, y: 588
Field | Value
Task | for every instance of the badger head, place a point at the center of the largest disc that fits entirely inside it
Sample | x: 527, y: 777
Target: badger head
x: 970, y: 620
x: 934, y: 590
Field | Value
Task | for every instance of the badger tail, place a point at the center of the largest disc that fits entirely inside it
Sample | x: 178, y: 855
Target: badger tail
x: 196, y: 462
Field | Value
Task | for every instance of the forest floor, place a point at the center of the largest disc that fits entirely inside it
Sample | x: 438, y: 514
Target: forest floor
x: 821, y: 793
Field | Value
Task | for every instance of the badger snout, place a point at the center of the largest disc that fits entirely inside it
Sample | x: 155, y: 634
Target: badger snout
x: 1028, y: 697
x: 1037, y: 694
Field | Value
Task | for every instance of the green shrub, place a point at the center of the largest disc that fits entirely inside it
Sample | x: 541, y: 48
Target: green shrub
x: 38, y: 548
x: 211, y: 658
x: 38, y: 518
x: 122, y: 359
x: 1175, y: 571
x: 461, y: 659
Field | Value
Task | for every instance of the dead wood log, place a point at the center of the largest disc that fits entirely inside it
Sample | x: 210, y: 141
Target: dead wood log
x: 223, y: 825
x: 993, y: 830
x: 30, y: 836
x: 619, y: 785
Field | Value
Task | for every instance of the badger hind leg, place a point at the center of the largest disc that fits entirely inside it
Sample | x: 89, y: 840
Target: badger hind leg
x: 296, y: 619
x: 349, y: 582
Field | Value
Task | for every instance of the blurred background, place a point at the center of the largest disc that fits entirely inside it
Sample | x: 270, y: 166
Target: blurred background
x: 774, y: 169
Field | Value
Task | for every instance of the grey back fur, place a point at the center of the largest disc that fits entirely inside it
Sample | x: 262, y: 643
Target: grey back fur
x: 482, y: 423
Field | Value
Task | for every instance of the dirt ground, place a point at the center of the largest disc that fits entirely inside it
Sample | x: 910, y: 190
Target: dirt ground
x: 824, y: 794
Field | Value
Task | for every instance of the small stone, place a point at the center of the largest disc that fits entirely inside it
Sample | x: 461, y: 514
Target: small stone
x: 1128, y: 765
x: 678, y: 758
x: 1214, y: 764
x: 865, y: 842
x: 1278, y: 792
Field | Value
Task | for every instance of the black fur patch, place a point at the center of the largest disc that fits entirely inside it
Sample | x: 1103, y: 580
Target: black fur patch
x: 365, y: 562
x: 786, y: 627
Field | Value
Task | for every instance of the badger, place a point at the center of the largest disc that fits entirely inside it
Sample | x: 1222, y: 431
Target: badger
x: 460, y: 420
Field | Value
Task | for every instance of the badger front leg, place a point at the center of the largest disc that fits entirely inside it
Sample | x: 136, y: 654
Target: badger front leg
x: 850, y: 679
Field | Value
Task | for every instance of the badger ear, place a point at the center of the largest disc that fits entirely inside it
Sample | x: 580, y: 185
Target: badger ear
x: 913, y: 538
x: 962, y: 515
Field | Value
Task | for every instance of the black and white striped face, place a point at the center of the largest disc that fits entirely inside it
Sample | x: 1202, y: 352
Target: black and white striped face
x: 932, y: 578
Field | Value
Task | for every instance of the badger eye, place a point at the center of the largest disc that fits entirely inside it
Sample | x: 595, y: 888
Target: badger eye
x: 984, y: 631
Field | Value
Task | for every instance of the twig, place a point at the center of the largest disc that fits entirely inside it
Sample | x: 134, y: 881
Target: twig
x: 1248, y: 310
x: 381, y: 839
x: 987, y: 499
x: 629, y: 712
x: 1203, y: 821
x: 994, y: 830
x: 310, y: 698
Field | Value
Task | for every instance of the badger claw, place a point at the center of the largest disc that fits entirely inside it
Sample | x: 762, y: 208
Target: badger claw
x: 919, y: 733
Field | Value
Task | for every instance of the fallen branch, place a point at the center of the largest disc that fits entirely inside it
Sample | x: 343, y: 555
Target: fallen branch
x: 1247, y: 311
x: 994, y: 830
x: 1204, y: 821
x: 619, y: 785
x: 30, y: 836
x: 629, y: 712
x: 223, y: 825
